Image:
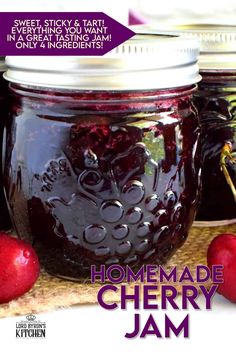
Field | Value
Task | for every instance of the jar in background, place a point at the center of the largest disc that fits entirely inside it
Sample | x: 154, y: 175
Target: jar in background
x: 108, y: 171
x: 216, y: 103
x: 5, y: 223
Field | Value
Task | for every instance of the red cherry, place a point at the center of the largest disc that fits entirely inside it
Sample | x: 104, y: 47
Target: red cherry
x: 222, y: 251
x: 19, y: 268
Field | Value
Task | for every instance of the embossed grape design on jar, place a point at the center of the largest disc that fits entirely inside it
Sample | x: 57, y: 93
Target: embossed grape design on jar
x: 101, y: 163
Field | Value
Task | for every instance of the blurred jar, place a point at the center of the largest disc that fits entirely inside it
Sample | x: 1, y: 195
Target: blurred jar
x: 216, y: 103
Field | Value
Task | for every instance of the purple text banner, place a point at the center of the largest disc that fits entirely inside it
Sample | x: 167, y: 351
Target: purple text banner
x: 62, y: 33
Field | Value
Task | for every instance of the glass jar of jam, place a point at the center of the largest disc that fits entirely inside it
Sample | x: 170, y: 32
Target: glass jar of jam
x: 4, y: 214
x: 102, y: 163
x: 215, y: 100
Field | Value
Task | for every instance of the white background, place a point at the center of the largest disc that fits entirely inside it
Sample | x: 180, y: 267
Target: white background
x: 116, y: 9
x: 186, y: 11
x: 88, y: 329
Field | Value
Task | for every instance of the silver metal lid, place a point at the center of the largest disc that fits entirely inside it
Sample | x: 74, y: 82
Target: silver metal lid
x: 143, y: 62
x: 217, y: 42
x: 2, y: 64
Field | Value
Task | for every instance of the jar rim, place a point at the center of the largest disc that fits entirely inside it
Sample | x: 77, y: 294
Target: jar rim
x: 102, y: 96
x: 217, y: 42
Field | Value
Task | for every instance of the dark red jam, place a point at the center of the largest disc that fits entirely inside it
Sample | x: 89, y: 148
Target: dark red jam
x: 102, y: 177
x: 4, y: 214
x: 216, y: 102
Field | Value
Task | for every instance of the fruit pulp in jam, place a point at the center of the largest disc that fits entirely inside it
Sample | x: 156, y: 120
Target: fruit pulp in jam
x: 216, y: 103
x: 102, y: 178
x: 5, y: 223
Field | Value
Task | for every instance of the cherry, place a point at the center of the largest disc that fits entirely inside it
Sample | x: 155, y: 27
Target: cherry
x: 19, y: 268
x: 222, y: 250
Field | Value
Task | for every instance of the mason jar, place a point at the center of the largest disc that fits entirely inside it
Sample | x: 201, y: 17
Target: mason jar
x: 102, y: 157
x: 216, y: 103
x: 215, y: 100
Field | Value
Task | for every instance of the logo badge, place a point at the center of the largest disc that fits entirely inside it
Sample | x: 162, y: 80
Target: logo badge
x: 30, y: 328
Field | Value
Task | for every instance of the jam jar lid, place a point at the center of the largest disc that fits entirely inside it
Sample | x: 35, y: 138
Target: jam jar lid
x: 217, y: 42
x: 145, y: 61
x: 2, y: 64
